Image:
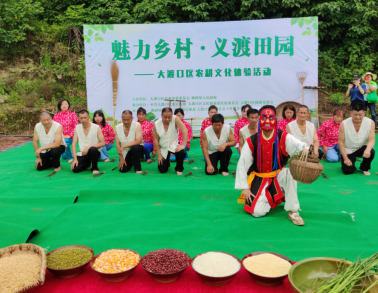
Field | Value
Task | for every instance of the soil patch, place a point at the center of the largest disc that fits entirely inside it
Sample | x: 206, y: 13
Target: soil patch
x: 10, y: 141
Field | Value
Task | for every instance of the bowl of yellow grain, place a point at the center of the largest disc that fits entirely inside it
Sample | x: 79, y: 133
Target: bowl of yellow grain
x: 115, y: 265
x: 267, y: 268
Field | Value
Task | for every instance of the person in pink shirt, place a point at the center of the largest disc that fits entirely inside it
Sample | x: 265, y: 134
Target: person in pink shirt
x: 288, y: 115
x: 240, y: 123
x: 328, y: 135
x: 180, y: 114
x: 207, y: 122
x: 148, y: 136
x: 68, y: 120
x: 108, y: 133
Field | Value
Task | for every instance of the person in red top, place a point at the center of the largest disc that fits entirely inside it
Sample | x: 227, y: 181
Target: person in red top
x: 207, y: 122
x: 148, y: 136
x: 68, y: 120
x: 288, y: 115
x: 240, y: 123
x: 107, y: 132
x: 180, y: 114
x: 328, y: 135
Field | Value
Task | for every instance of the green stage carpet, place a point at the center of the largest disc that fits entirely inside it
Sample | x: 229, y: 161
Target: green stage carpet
x: 195, y: 214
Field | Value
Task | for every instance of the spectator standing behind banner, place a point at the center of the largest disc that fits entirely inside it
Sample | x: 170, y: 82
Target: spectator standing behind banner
x: 371, y: 95
x: 356, y: 90
x: 288, y: 115
x: 240, y: 123
x: 68, y: 120
x: 107, y: 132
x: 328, y: 135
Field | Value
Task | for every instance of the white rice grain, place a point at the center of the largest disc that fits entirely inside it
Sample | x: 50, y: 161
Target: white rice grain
x: 216, y: 264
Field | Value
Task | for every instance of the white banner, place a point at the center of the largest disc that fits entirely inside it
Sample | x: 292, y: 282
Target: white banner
x: 227, y: 64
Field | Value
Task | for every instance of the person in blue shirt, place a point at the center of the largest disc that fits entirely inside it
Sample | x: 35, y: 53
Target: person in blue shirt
x: 357, y: 89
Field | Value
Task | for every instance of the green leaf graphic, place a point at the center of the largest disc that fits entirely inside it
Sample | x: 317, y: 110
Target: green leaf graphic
x: 90, y: 33
x: 315, y: 25
x: 316, y: 34
x: 308, y: 28
x: 314, y: 18
x: 100, y: 39
x: 85, y: 37
x: 110, y: 26
x: 103, y: 29
x: 307, y: 21
x: 99, y: 64
x: 309, y: 33
x: 307, y: 59
x: 300, y: 22
x: 294, y: 21
x: 97, y: 34
x: 96, y: 39
x: 97, y: 27
x: 304, y: 33
x: 88, y: 41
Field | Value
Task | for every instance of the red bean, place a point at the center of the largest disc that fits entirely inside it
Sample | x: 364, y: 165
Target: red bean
x: 165, y: 261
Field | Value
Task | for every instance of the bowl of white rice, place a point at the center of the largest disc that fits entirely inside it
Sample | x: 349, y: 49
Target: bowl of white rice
x: 216, y: 268
x: 267, y: 268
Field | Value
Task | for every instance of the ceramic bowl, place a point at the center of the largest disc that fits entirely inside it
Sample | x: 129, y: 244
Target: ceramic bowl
x: 115, y: 277
x: 303, y: 274
x: 266, y: 281
x: 73, y: 272
x: 216, y: 281
x: 166, y: 278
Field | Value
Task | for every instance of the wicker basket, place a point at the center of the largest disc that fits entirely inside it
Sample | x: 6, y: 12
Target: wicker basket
x: 305, y: 169
x: 8, y: 251
x: 282, y: 105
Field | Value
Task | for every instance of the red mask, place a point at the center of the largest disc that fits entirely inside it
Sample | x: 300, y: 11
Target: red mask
x: 267, y: 119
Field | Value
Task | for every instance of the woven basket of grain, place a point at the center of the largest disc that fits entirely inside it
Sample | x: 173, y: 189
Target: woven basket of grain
x: 305, y: 169
x: 29, y: 282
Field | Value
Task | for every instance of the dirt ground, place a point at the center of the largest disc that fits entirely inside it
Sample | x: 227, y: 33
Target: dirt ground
x: 9, y: 141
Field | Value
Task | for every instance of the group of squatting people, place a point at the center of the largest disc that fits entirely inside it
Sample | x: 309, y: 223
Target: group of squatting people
x: 264, y: 145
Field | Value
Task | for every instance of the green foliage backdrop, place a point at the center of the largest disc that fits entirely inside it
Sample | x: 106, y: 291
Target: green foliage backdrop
x: 41, y: 40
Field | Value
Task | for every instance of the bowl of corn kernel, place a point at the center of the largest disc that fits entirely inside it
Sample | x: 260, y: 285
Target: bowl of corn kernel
x: 115, y: 265
x: 267, y: 268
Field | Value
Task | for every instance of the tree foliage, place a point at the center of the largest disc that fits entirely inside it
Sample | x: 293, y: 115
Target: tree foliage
x: 347, y: 28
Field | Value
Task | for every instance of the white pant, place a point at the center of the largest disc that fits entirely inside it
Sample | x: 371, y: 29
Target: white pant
x: 289, y: 189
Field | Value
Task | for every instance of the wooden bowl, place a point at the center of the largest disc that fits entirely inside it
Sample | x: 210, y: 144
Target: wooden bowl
x: 115, y: 277
x: 304, y: 273
x: 266, y: 281
x: 166, y: 278
x: 216, y: 281
x: 72, y: 272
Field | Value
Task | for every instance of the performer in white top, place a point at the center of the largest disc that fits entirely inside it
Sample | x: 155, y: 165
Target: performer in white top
x: 49, y: 134
x: 304, y: 130
x: 356, y: 140
x: 217, y: 141
x: 250, y: 129
x: 129, y: 143
x: 90, y: 140
x: 270, y: 183
x: 166, y: 140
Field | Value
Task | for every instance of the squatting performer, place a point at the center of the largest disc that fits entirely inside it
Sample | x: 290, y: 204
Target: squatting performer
x: 269, y: 183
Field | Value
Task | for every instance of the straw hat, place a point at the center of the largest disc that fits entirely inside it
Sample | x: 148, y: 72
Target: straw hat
x: 282, y: 105
x: 369, y: 73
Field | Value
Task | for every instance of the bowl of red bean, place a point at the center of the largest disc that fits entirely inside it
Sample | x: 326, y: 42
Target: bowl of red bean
x: 165, y: 265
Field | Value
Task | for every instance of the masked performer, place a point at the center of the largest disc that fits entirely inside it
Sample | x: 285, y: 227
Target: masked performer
x: 270, y: 183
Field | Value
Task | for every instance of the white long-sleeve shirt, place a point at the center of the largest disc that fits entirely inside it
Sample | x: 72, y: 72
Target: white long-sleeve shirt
x: 292, y: 144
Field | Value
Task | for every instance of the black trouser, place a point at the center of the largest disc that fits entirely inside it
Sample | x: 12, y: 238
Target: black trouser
x: 224, y: 158
x: 163, y: 168
x: 365, y: 165
x: 133, y: 159
x: 51, y: 159
x: 84, y: 162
